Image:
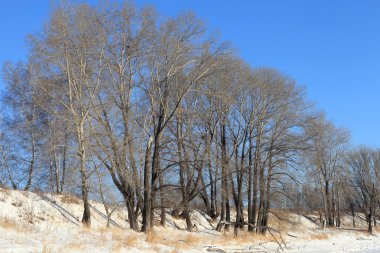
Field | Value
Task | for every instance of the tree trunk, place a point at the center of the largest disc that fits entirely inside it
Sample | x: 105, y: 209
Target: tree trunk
x: 225, y: 212
x: 131, y: 213
x: 338, y: 208
x: 31, y: 166
x: 262, y: 199
x: 250, y: 215
x: 240, y: 174
x: 353, y: 214
x: 266, y: 208
x: 328, y: 205
x: 370, y: 229
x: 182, y: 168
x: 162, y: 200
x: 86, y: 219
x: 56, y: 166
x: 64, y: 158
x: 256, y: 166
x: 102, y: 197
x: 147, y: 189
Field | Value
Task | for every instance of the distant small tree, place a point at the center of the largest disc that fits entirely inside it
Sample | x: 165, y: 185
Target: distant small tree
x: 364, y: 166
x: 23, y: 126
x: 326, y: 155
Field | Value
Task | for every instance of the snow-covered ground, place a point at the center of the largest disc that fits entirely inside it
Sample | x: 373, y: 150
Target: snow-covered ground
x: 44, y: 223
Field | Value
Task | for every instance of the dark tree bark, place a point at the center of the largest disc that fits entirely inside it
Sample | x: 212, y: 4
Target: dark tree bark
x: 147, y: 189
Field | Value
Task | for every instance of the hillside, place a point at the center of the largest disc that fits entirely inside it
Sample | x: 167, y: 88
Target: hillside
x: 34, y: 222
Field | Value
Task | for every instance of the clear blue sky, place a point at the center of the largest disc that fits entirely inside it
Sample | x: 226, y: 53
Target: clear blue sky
x: 331, y: 47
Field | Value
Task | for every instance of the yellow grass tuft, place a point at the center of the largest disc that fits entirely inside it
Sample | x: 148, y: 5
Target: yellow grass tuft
x: 243, y: 237
x: 74, y: 245
x: 175, y: 250
x: 68, y: 199
x: 46, y: 249
x: 132, y: 240
x: 118, y: 235
x: 117, y: 246
x: 156, y: 248
x: 7, y: 223
x: 319, y: 237
x: 174, y: 240
x: 153, y: 237
x: 193, y: 239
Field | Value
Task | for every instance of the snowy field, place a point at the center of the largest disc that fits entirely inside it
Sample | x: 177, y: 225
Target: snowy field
x: 45, y: 223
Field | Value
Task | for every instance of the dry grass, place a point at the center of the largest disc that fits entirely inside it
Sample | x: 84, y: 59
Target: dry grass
x: 117, y: 235
x: 319, y: 236
x: 156, y: 248
x: 285, y: 227
x: 8, y: 223
x: 5, y: 189
x: 129, y: 241
x: 160, y: 240
x: 19, y: 227
x: 46, y: 249
x: 281, y: 213
x: 77, y: 245
x: 153, y: 237
x: 243, y: 237
x: 185, y: 241
x: 25, y: 193
x: 132, y: 240
x: 282, y: 221
x: 117, y: 246
x: 174, y: 239
x: 103, y: 232
x: 122, y: 215
x: 120, y: 238
x: 193, y: 239
x: 176, y: 250
x: 68, y: 199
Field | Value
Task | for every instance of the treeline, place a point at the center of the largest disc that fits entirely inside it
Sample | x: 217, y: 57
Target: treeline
x: 170, y: 117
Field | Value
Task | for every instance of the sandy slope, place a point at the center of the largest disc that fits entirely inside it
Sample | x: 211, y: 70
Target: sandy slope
x: 45, y: 223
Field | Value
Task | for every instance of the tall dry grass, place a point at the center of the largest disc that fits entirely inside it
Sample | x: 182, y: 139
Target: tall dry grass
x: 7, y: 223
x: 319, y: 236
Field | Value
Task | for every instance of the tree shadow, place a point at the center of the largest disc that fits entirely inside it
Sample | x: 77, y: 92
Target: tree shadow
x: 313, y: 220
x: 352, y: 229
x: 70, y: 217
x: 104, y: 216
x: 66, y: 214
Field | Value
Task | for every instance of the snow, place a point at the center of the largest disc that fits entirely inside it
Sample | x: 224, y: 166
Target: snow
x: 342, y: 242
x: 44, y: 223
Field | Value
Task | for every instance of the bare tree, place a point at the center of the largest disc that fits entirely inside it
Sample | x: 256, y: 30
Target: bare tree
x: 128, y: 36
x: 176, y: 66
x: 364, y: 166
x: 24, y: 125
x: 326, y: 153
x: 69, y: 54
